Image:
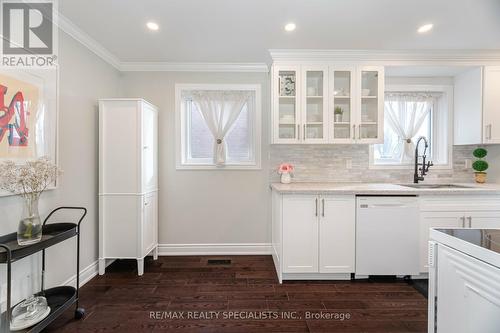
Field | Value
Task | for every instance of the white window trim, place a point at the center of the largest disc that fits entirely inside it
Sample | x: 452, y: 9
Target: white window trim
x: 445, y: 89
x: 181, y: 138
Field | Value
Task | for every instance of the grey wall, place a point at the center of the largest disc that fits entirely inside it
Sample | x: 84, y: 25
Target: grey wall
x: 212, y: 206
x: 84, y: 78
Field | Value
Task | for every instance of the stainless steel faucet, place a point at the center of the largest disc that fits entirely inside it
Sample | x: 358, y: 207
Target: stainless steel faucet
x: 424, y: 166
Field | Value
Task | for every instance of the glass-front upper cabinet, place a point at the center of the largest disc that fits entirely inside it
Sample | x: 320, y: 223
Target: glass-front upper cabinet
x: 370, y: 125
x: 287, y: 118
x: 314, y: 104
x: 327, y: 103
x: 341, y: 94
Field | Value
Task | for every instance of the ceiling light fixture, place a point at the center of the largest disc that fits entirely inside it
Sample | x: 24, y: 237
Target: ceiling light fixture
x: 152, y: 26
x: 425, y: 28
x: 290, y: 26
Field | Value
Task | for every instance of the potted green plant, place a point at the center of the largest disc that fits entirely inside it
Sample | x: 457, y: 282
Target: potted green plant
x: 480, y: 165
x: 338, y: 112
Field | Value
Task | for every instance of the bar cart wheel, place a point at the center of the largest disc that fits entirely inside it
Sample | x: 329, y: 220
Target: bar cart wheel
x: 79, y: 313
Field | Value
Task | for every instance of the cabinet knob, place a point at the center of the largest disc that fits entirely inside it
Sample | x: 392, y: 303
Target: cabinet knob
x: 145, y: 204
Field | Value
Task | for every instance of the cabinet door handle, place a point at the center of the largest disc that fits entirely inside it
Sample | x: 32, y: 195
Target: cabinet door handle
x: 316, y: 206
x: 354, y: 132
x: 488, y: 132
x: 359, y: 132
x: 323, y: 207
x: 463, y: 221
x: 298, y: 132
x: 470, y: 221
x: 304, y: 133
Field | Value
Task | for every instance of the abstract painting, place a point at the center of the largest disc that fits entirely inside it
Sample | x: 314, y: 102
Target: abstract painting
x: 28, y: 114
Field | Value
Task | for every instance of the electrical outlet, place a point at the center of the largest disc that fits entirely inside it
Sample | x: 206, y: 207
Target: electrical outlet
x: 468, y: 163
x: 348, y: 163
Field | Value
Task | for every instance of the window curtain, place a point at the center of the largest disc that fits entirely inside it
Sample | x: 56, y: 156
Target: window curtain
x: 405, y: 114
x: 220, y: 109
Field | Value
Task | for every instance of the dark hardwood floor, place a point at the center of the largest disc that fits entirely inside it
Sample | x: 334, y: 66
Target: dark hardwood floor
x: 120, y: 301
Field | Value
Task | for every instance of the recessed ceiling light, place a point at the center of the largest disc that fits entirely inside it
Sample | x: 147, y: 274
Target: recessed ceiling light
x: 152, y: 26
x: 425, y: 28
x: 290, y: 26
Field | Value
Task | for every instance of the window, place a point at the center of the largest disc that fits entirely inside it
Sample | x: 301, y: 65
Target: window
x: 409, y: 115
x: 197, y: 146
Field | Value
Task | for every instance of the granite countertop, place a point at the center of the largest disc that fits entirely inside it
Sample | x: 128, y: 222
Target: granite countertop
x: 483, y: 244
x: 381, y: 189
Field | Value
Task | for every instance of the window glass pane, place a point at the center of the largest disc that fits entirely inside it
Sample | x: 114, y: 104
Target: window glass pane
x: 201, y: 141
x: 391, y: 150
x: 238, y: 139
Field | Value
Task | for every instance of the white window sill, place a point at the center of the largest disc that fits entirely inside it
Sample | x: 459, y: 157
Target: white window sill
x: 213, y: 167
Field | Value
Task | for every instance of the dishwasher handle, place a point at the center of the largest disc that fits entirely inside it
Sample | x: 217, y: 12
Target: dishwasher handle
x: 382, y: 205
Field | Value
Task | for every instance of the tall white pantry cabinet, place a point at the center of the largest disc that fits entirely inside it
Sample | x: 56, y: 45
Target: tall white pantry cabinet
x: 128, y: 181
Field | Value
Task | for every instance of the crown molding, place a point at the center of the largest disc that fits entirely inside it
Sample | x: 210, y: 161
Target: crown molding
x: 78, y: 34
x: 396, y: 57
x: 193, y: 67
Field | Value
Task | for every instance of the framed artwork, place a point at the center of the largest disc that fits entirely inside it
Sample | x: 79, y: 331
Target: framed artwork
x: 28, y: 114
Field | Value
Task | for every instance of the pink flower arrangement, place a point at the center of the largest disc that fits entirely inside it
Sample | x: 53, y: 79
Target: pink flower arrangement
x: 285, y: 168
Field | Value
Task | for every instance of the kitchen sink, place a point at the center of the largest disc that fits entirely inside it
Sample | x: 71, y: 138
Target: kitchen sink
x: 435, y: 186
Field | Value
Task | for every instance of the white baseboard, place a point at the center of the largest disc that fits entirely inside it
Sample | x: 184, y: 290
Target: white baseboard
x: 316, y: 276
x: 214, y: 249
x: 86, y: 274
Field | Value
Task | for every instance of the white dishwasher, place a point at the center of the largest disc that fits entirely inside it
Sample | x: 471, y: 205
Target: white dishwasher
x: 387, y: 235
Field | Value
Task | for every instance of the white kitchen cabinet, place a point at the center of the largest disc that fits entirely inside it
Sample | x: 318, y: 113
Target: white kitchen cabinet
x: 300, y: 234
x: 491, y: 104
x: 342, y: 98
x: 337, y: 234
x: 455, y: 212
x: 128, y: 180
x: 305, y: 98
x: 370, y: 115
x: 317, y: 233
x: 315, y: 104
x: 483, y: 220
x: 466, y: 293
x: 476, y: 106
x: 286, y: 104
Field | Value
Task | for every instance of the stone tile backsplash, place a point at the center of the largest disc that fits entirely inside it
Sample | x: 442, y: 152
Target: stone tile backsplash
x: 316, y: 163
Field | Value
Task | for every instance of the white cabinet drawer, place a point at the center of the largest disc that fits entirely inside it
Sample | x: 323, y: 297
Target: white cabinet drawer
x: 459, y: 203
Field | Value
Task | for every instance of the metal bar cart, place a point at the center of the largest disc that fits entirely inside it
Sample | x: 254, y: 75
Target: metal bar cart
x: 58, y: 298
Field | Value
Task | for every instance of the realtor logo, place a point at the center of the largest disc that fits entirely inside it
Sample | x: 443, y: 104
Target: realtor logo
x: 29, y: 34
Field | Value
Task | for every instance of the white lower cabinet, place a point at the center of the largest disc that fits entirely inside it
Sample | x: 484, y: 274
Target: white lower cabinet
x: 314, y: 236
x: 466, y: 294
x: 337, y: 234
x: 484, y: 220
x: 300, y: 234
x: 318, y: 233
x: 455, y: 212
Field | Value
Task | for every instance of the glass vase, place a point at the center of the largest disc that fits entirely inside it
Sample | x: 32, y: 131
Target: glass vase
x: 30, y: 225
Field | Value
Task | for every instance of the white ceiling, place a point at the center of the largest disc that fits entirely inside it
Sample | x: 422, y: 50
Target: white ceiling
x: 243, y: 30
